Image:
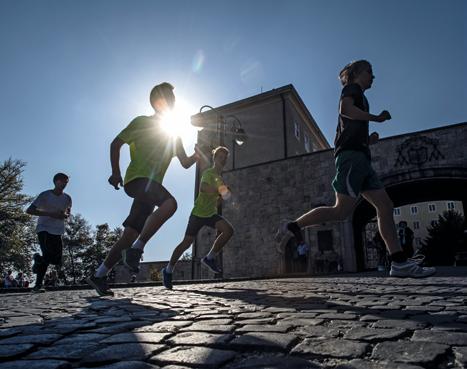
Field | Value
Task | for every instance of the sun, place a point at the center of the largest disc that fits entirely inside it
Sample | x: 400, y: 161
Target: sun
x: 176, y: 122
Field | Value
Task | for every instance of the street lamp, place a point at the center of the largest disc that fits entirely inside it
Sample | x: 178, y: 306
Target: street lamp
x: 239, y: 136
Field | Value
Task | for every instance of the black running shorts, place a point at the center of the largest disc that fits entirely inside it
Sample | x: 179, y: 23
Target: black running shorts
x: 147, y: 195
x: 196, y: 223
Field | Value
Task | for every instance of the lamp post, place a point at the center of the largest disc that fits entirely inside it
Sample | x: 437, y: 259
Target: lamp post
x: 238, y: 138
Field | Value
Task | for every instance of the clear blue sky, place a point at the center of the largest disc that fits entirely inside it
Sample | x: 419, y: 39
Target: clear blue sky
x: 74, y: 73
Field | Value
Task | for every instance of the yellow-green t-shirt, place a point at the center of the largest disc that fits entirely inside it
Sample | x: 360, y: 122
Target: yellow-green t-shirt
x: 206, y: 203
x: 151, y: 149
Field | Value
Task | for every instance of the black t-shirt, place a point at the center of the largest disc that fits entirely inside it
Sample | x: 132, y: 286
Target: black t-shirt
x: 352, y: 134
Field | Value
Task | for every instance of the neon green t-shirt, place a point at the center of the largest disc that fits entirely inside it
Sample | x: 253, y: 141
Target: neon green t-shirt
x: 151, y: 149
x: 206, y: 203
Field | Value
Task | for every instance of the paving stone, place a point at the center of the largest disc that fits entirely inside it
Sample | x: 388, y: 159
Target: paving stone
x: 38, y: 339
x: 409, y: 352
x: 147, y: 337
x: 128, y: 365
x: 404, y: 324
x: 346, y: 324
x: 126, y: 351
x: 265, y: 341
x: 254, y: 321
x: 9, y: 332
x: 200, y: 338
x: 80, y: 338
x: 119, y: 328
x: 13, y: 351
x: 201, y: 327
x: 332, y: 316
x: 273, y: 362
x: 36, y: 364
x: 215, y: 321
x: 64, y: 352
x: 258, y: 315
x: 297, y: 315
x: 365, y: 364
x: 460, y: 354
x: 167, y: 326
x: 280, y: 328
x: 374, y: 334
x: 319, y: 331
x: 447, y: 338
x: 194, y: 356
x: 337, y: 348
x: 299, y: 322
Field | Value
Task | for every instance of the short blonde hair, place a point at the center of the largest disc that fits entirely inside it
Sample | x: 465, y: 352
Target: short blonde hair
x: 352, y: 70
x: 219, y: 149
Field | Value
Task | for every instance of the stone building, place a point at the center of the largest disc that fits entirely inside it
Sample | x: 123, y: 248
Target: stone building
x: 274, y: 176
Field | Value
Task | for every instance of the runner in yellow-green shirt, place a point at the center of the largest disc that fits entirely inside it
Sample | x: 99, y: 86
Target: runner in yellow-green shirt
x: 151, y: 150
x: 212, y: 190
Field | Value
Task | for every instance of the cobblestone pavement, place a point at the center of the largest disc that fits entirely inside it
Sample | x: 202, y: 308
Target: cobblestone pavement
x: 344, y: 322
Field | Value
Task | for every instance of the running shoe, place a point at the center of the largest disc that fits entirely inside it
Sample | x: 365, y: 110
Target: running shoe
x: 131, y: 258
x: 100, y: 285
x: 211, y: 264
x: 167, y: 279
x: 410, y: 269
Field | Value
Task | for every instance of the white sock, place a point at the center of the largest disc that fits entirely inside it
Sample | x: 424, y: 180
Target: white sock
x: 138, y: 244
x: 101, y: 271
x: 211, y: 255
x: 169, y: 268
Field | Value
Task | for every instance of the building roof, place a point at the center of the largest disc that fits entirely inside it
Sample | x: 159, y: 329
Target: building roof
x: 210, y: 116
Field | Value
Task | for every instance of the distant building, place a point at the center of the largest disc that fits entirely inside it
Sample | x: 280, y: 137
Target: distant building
x: 422, y: 215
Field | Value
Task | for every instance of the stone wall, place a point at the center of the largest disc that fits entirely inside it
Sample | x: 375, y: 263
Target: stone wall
x: 266, y: 193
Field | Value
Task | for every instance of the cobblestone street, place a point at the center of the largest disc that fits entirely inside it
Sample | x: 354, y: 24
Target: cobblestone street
x: 356, y: 321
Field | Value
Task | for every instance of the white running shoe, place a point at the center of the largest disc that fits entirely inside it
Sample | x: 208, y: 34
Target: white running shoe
x: 410, y: 269
x: 282, y: 236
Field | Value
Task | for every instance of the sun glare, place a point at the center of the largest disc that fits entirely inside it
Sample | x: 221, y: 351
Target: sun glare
x: 177, y: 122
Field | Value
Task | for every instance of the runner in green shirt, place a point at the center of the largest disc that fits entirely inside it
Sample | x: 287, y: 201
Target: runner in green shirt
x: 151, y: 150
x: 204, y: 213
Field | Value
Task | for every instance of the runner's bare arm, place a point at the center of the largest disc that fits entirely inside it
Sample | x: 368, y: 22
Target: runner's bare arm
x: 116, y: 178
x: 185, y: 161
x: 348, y: 110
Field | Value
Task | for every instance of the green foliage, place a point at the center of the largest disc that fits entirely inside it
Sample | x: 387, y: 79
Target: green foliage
x: 85, y: 249
x: 445, y: 239
x: 186, y: 256
x: 17, y: 238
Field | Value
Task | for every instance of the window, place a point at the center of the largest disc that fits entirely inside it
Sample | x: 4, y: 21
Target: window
x: 433, y: 223
x: 451, y: 205
x: 297, y: 130
x: 416, y: 225
x: 308, y: 144
x: 413, y: 210
x: 397, y: 211
x: 431, y: 208
x: 418, y: 241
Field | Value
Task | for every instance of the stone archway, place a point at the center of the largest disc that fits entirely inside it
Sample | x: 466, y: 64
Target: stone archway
x: 433, y: 188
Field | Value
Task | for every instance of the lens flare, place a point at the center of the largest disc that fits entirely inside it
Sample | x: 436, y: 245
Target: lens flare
x: 198, y: 61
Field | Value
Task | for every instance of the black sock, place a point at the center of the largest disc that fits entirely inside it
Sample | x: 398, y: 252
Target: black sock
x: 295, y: 229
x: 398, y: 257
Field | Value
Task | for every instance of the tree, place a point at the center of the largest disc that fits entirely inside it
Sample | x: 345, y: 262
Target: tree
x: 186, y: 256
x: 445, y: 239
x: 94, y: 254
x: 17, y: 237
x: 76, y: 240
